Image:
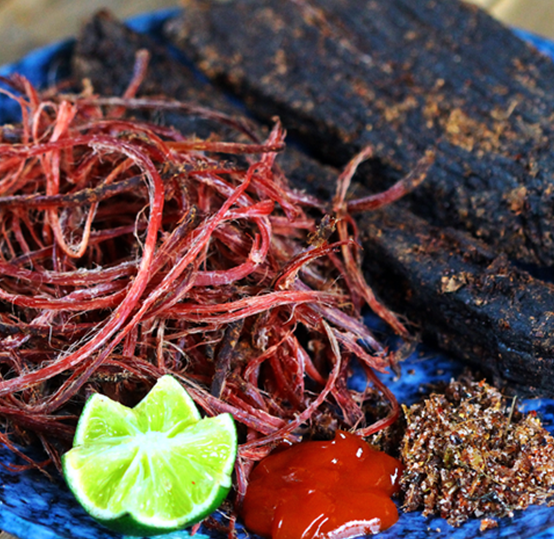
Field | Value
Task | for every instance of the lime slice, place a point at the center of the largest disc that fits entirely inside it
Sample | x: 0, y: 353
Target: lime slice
x: 154, y: 468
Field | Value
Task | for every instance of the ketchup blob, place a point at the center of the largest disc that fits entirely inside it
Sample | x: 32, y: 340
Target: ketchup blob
x: 333, y: 489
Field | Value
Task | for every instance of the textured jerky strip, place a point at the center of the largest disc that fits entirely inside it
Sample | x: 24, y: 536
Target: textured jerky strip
x: 469, y: 301
x: 497, y: 328
x: 105, y: 54
x: 106, y: 50
x: 403, y: 76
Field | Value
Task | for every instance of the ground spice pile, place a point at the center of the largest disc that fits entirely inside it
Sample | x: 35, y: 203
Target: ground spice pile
x: 470, y: 453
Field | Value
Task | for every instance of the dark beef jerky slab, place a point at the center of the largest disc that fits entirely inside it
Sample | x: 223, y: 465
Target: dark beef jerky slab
x: 468, y: 301
x: 105, y: 54
x: 403, y: 76
x: 461, y: 296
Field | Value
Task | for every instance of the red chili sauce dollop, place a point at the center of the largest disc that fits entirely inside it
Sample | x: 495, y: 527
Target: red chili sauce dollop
x: 333, y: 490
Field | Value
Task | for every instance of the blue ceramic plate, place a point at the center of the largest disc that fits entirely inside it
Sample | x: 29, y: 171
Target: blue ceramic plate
x: 35, y: 507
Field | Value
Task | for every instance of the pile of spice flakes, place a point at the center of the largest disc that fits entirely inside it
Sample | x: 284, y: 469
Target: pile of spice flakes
x: 469, y: 453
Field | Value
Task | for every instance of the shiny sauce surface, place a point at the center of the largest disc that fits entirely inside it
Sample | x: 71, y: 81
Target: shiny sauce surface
x: 331, y: 490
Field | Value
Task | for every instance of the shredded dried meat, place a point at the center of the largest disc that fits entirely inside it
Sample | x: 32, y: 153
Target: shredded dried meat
x: 129, y: 250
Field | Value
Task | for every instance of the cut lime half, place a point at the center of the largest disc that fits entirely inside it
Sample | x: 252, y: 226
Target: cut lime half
x: 154, y: 468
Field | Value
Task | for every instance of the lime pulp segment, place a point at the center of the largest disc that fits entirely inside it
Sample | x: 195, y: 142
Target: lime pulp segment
x: 156, y: 467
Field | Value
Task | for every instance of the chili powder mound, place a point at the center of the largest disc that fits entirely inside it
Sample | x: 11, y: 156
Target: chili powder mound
x: 470, y: 453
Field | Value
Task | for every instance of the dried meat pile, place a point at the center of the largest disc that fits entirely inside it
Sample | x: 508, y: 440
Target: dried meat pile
x: 470, y: 454
x: 129, y: 250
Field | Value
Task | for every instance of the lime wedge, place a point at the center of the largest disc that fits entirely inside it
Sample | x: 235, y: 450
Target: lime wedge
x: 154, y: 468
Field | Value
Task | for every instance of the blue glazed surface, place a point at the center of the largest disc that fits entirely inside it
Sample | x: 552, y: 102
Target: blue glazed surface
x: 33, y: 506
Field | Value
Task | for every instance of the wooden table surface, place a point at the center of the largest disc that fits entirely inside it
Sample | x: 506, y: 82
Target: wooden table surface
x: 28, y: 24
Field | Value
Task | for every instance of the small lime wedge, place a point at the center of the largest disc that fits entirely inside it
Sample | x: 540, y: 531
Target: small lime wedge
x: 154, y: 468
